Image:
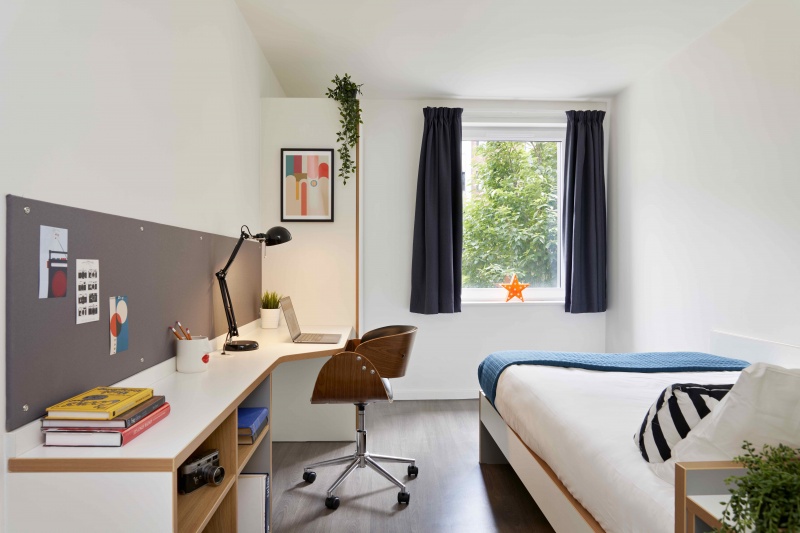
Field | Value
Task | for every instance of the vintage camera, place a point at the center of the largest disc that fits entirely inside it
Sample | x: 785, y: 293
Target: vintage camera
x: 200, y: 469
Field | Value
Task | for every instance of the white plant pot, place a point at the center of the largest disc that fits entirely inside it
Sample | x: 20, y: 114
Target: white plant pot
x: 270, y: 318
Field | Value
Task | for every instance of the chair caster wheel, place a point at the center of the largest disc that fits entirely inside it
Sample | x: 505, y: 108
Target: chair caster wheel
x: 403, y: 497
x: 309, y: 477
x: 413, y: 471
x: 332, y: 502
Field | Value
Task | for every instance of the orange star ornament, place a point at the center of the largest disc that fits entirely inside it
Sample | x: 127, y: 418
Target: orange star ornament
x: 515, y: 288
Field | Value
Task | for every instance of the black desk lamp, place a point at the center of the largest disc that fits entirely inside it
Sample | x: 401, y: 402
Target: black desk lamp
x: 276, y: 235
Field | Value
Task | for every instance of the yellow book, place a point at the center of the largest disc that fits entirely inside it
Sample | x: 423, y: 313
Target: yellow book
x: 101, y: 403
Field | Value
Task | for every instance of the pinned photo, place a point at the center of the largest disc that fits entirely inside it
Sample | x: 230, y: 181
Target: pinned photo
x: 53, y: 267
x: 118, y: 325
x: 87, y: 281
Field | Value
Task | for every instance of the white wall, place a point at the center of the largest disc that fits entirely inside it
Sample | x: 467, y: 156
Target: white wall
x: 449, y: 347
x: 317, y: 268
x: 704, y: 189
x: 144, y: 108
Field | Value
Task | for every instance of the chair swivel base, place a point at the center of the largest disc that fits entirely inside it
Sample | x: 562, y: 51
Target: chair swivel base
x: 362, y: 459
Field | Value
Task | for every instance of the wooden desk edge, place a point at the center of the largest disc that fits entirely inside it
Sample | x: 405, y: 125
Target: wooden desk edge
x: 111, y: 464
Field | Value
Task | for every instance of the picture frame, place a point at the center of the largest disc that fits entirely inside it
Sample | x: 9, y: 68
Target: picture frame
x: 307, y: 184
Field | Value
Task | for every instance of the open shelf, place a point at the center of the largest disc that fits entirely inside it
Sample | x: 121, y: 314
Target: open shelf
x: 246, y: 451
x: 196, y: 509
x: 224, y: 519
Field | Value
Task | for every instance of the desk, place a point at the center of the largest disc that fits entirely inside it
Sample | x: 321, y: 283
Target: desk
x: 134, y: 487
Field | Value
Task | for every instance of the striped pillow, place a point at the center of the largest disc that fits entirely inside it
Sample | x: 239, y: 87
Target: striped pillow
x: 678, y: 409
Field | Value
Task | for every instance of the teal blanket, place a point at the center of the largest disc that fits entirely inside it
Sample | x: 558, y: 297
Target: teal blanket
x: 490, y: 369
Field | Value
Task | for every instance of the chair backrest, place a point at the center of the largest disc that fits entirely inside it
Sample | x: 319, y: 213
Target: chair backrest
x: 388, y: 348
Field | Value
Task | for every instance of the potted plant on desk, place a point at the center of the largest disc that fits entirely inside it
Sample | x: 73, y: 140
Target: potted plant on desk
x: 270, y: 310
x: 767, y: 498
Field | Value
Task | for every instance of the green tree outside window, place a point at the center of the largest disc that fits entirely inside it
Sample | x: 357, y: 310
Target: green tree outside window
x: 511, y: 217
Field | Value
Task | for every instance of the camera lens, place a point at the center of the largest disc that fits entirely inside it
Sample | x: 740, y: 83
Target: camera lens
x: 213, y: 474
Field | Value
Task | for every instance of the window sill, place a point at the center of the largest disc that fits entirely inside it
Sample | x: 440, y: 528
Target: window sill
x: 513, y: 302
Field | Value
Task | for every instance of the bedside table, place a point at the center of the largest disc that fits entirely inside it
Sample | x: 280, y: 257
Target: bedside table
x: 701, y: 494
x: 704, y: 512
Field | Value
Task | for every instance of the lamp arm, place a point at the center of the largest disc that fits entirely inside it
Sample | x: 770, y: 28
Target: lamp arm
x: 233, y: 330
x: 244, y: 236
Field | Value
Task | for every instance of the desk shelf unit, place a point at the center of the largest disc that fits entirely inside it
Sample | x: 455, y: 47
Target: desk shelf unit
x: 135, y: 487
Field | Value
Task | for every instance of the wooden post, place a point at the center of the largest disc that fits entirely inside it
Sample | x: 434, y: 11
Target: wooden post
x: 358, y: 251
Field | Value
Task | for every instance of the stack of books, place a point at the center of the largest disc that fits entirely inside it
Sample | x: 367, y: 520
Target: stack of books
x: 252, y: 421
x: 103, y: 416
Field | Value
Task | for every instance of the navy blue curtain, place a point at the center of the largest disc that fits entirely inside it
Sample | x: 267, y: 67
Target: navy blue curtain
x: 583, y: 222
x: 436, y: 260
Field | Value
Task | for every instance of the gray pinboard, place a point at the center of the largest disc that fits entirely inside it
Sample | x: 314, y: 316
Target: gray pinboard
x: 166, y: 272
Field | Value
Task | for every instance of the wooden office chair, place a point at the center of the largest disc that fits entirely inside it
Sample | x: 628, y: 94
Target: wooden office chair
x: 360, y: 376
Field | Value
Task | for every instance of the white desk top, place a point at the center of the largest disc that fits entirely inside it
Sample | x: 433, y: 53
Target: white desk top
x: 196, y: 400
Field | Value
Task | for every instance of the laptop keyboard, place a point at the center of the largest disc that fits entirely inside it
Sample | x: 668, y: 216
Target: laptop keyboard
x: 310, y: 337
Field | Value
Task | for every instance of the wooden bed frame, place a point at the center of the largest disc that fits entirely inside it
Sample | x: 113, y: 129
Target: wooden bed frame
x: 499, y: 444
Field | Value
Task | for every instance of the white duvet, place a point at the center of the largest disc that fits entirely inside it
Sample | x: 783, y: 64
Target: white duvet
x: 582, y: 422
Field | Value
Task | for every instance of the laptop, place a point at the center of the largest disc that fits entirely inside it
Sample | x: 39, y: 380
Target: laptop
x: 294, y: 327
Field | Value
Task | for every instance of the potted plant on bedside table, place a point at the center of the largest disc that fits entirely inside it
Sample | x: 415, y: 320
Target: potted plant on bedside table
x: 767, y: 498
x: 270, y: 310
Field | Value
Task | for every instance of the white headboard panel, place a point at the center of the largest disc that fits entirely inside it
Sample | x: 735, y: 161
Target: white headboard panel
x: 755, y: 350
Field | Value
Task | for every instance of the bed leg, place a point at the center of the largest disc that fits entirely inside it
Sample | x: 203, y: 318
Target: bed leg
x: 489, y: 452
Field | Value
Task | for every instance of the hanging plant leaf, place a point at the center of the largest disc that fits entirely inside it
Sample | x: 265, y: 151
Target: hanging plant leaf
x: 345, y: 92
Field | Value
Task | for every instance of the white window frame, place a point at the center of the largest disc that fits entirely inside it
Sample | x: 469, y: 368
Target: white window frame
x: 532, y: 133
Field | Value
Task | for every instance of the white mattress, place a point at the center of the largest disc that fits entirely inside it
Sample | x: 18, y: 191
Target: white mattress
x: 582, y: 422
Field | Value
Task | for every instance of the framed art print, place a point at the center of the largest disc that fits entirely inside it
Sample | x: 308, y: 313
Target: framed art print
x: 306, y: 185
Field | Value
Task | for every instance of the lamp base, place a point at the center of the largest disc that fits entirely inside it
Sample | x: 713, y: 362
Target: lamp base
x: 241, y: 346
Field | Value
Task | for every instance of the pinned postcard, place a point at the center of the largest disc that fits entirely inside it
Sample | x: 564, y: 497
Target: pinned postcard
x: 118, y: 324
x: 52, y: 262
x: 87, y: 285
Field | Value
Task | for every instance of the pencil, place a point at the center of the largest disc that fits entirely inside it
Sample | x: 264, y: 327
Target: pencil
x: 182, y: 330
x: 188, y: 334
x: 176, y: 333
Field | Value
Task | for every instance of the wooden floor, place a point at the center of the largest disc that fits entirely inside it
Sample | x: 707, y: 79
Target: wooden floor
x: 453, y: 493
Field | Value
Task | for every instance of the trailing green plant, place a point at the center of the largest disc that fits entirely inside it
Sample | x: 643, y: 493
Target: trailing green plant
x: 767, y: 498
x: 270, y: 300
x: 345, y: 92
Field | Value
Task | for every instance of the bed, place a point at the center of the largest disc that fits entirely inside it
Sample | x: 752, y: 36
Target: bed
x: 568, y: 433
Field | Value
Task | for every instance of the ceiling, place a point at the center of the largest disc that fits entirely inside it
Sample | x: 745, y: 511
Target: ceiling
x: 555, y: 49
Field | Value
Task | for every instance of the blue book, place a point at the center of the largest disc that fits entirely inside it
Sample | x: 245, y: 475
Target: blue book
x: 252, y: 420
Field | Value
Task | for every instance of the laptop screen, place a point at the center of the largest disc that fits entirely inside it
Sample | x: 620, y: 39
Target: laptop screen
x: 291, y: 318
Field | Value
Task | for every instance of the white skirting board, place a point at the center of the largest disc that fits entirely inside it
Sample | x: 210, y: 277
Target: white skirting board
x: 432, y: 394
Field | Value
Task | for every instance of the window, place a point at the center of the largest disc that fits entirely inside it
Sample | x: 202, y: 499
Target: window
x: 511, y: 187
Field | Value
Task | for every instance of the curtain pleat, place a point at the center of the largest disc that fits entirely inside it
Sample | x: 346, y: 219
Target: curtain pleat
x: 584, y: 214
x: 436, y: 260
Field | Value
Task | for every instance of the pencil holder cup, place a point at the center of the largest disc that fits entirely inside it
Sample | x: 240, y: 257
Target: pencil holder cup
x: 192, y: 355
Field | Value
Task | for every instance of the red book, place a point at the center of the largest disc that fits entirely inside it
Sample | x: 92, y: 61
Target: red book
x: 103, y: 436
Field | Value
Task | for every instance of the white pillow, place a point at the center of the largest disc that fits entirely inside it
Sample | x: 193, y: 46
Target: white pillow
x: 763, y: 407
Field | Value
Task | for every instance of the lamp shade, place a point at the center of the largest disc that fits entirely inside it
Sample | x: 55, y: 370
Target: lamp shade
x: 277, y: 235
